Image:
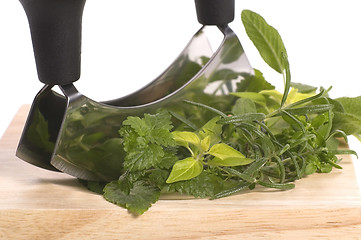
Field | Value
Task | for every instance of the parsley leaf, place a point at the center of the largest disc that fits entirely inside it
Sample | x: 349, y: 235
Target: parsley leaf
x: 144, y: 140
x: 137, y: 200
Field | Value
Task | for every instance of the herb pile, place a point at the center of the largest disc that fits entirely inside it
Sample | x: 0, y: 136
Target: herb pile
x: 268, y: 138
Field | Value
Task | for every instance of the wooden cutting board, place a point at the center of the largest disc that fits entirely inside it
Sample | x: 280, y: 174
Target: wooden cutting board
x: 39, y: 204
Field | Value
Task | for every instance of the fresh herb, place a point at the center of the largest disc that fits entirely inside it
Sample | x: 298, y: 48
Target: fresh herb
x: 263, y: 137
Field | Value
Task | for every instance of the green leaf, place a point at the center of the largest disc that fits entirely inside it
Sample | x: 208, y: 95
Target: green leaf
x: 201, y: 105
x: 231, y: 51
x: 205, y: 143
x: 223, y: 152
x: 243, y: 118
x: 310, y: 109
x: 224, y: 75
x: 351, y: 105
x: 207, y: 184
x: 303, y: 88
x: 266, y: 39
x: 231, y: 191
x: 254, y: 83
x: 154, y: 128
x: 230, y: 162
x: 184, y: 170
x: 184, y: 120
x: 281, y: 186
x: 306, y: 100
x: 168, y: 160
x: 184, y: 138
x: 158, y: 177
x: 287, y: 78
x: 96, y: 187
x: 276, y: 95
x: 38, y: 132
x: 310, y: 168
x: 212, y: 129
x: 256, y: 97
x: 347, y: 122
x: 137, y: 124
x: 343, y: 152
x: 244, y: 106
x: 326, y: 168
x: 144, y: 157
x: 138, y: 200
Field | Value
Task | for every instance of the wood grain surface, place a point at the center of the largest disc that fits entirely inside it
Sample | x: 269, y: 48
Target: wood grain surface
x: 39, y: 204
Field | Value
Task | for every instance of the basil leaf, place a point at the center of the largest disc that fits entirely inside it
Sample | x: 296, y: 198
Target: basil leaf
x: 223, y: 152
x: 287, y: 78
x: 185, y: 169
x: 230, y: 162
x: 266, y: 39
x: 183, y: 138
x: 205, y: 143
x: 212, y: 129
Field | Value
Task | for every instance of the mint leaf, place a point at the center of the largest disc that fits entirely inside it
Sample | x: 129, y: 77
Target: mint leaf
x: 266, y: 39
x: 158, y: 177
x: 206, y: 184
x: 130, y: 138
x: 137, y: 124
x: 351, y: 105
x: 349, y: 120
x: 138, y: 200
x: 168, y: 160
x: 185, y: 169
x: 96, y: 187
x: 38, y: 132
x: 143, y: 157
x: 154, y: 128
x: 145, y: 140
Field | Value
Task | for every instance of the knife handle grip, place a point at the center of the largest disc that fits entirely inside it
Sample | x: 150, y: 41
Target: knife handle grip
x: 55, y: 27
x: 215, y: 12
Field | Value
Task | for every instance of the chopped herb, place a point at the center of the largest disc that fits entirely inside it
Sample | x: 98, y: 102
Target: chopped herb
x: 262, y: 137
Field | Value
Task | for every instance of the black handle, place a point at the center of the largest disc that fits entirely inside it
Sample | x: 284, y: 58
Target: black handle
x: 56, y: 34
x: 215, y: 12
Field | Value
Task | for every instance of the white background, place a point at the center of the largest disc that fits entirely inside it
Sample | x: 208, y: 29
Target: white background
x: 128, y: 43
